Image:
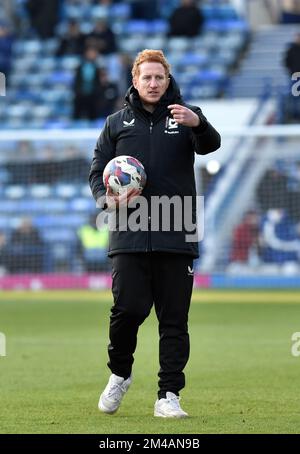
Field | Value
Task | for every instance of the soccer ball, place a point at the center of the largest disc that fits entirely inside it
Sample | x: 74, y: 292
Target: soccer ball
x: 123, y: 173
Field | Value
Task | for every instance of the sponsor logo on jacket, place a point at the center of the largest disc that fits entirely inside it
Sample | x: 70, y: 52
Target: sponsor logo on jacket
x: 171, y: 126
x: 128, y: 124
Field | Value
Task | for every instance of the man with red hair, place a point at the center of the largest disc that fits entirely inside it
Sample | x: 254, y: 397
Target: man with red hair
x: 152, y: 266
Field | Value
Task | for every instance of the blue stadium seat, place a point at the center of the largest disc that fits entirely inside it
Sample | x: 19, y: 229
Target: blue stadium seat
x: 235, y: 25
x: 56, y: 95
x: 193, y: 59
x: 226, y: 12
x: 61, y: 78
x: 40, y: 191
x: 226, y: 26
x: 4, y: 177
x: 59, y: 235
x: 220, y: 12
x: 231, y: 41
x: 174, y: 59
x: 120, y: 11
x: 20, y: 96
x: 74, y: 11
x: 154, y: 42
x: 99, y: 12
x: 131, y: 45
x: 33, y: 46
x: 17, y: 80
x: 61, y: 252
x: 65, y: 190
x: 9, y: 206
x: 48, y: 205
x: 86, y: 27
x: 41, y: 112
x: 50, y: 46
x: 18, y: 111
x: 58, y: 221
x: 62, y: 111
x: 5, y: 223
x: 179, y: 44
x: 98, y: 256
x: 15, y: 191
x: 208, y: 11
x: 23, y: 64
x: 159, y: 26
x: 81, y: 124
x: 208, y: 76
x: 82, y: 204
x: 46, y: 64
x: 58, y: 124
x: 69, y: 62
x: 99, y: 123
x: 32, y: 80
x: 134, y: 27
x: 203, y: 92
x: 223, y: 58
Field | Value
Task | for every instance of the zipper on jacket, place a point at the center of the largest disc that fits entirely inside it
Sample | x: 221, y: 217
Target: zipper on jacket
x: 151, y: 126
x: 149, y: 234
x: 149, y: 217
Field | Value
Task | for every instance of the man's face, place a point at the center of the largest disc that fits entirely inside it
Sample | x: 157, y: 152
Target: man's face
x: 151, y: 82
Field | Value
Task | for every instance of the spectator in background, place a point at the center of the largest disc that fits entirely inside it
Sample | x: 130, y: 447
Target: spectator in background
x: 102, y: 38
x: 73, y: 166
x: 293, y: 201
x: 292, y: 56
x: 9, y: 8
x: 104, y: 2
x: 290, y: 11
x: 26, y: 249
x: 272, y: 191
x: 290, y: 110
x: 125, y: 77
x: 6, y: 42
x: 86, y: 87
x: 144, y: 9
x: 186, y: 20
x: 72, y: 42
x: 245, y: 238
x: 107, y: 95
x: 44, y: 16
x: 93, y: 245
x: 25, y: 151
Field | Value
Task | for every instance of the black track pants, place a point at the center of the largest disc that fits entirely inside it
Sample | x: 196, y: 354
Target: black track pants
x: 139, y: 281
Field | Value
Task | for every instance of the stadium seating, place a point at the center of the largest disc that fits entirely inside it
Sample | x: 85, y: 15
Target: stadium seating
x: 262, y: 69
x: 42, y: 83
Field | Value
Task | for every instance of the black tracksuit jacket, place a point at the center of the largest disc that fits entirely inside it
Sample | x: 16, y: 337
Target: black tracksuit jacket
x: 166, y: 149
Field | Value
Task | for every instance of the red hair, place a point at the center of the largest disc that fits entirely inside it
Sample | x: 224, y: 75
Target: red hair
x: 150, y: 55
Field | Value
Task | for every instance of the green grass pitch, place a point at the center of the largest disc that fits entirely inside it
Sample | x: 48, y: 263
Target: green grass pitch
x: 241, y: 376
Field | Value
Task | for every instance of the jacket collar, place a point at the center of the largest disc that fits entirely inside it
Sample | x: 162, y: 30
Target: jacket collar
x: 171, y: 96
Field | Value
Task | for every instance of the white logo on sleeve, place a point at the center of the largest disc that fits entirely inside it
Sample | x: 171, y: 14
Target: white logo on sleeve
x: 127, y: 124
x: 190, y: 271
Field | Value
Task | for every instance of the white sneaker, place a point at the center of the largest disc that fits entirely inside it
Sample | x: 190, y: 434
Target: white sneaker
x: 169, y: 407
x: 111, y: 398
